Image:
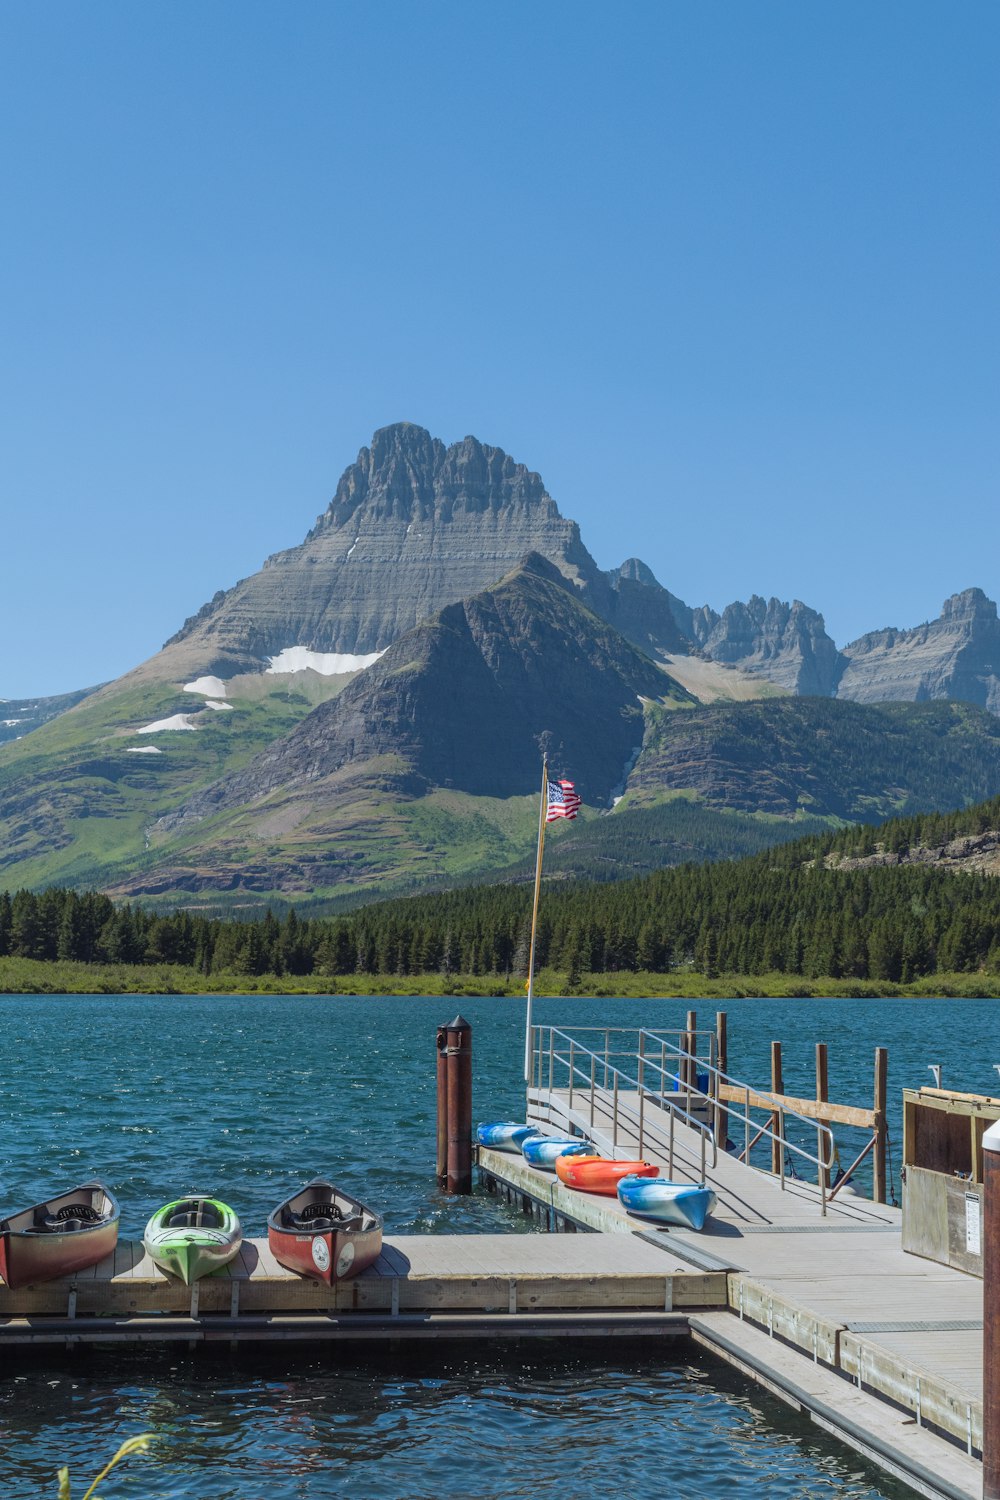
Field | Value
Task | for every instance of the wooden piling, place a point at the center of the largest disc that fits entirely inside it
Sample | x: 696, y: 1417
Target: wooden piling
x: 458, y: 1053
x: 441, y: 1164
x: 991, y: 1313
x: 881, y: 1124
x: 822, y: 1097
x: 777, y: 1087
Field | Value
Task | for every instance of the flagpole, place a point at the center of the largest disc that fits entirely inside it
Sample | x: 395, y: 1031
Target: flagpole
x: 534, y: 917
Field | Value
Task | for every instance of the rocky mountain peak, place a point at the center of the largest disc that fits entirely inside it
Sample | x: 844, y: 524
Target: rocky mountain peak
x: 413, y: 526
x: 956, y: 656
x: 970, y: 605
x: 787, y: 643
x: 636, y: 571
x: 406, y: 474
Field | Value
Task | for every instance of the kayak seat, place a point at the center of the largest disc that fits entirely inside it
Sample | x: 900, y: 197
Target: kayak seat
x: 320, y: 1211
x: 182, y: 1221
x: 314, y: 1216
x: 83, y: 1211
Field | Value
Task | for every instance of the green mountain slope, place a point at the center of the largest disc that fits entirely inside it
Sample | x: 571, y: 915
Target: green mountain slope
x: 77, y: 800
x: 20, y: 716
x: 821, y: 757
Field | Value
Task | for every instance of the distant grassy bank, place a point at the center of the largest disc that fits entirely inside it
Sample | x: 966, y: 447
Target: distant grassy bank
x: 23, y: 976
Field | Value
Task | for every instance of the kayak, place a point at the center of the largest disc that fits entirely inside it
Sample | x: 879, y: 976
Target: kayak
x: 323, y: 1232
x: 598, y: 1174
x: 543, y: 1150
x: 504, y: 1135
x: 192, y: 1237
x: 686, y: 1204
x: 59, y: 1237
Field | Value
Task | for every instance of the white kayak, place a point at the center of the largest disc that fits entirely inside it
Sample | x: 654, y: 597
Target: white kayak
x: 685, y: 1204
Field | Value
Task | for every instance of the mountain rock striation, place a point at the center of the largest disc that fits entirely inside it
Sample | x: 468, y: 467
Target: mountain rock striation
x: 469, y: 700
x: 956, y: 656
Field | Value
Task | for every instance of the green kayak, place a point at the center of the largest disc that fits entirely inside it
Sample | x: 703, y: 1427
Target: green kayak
x: 192, y: 1237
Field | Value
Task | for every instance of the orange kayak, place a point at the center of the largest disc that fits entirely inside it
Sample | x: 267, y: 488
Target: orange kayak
x: 598, y: 1174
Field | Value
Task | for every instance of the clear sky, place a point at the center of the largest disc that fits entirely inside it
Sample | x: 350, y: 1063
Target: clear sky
x: 724, y: 273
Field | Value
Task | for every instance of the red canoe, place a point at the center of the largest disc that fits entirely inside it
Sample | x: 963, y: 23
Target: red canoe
x: 59, y: 1237
x: 598, y: 1174
x: 324, y: 1233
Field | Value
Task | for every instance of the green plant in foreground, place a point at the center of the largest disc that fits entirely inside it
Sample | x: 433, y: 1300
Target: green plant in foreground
x: 138, y: 1444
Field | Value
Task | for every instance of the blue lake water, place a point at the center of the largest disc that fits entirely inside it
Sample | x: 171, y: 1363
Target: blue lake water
x: 247, y: 1097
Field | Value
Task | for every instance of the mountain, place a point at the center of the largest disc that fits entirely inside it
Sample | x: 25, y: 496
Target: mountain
x: 469, y: 699
x: 368, y: 708
x: 463, y: 704
x: 787, y: 643
x: 19, y: 716
x: 412, y: 526
x: 956, y: 656
x: 792, y: 757
x: 402, y: 781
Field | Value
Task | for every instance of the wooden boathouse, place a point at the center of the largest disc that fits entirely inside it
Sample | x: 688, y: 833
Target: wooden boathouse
x: 798, y: 1280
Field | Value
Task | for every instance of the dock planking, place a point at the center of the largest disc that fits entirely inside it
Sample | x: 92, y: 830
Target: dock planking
x: 837, y: 1288
x: 419, y: 1274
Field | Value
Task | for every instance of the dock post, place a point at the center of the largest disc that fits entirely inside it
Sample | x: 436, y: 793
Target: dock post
x: 722, y: 1063
x: 991, y: 1313
x: 777, y: 1087
x: 822, y: 1097
x: 458, y: 1052
x: 441, y: 1165
x: 881, y: 1128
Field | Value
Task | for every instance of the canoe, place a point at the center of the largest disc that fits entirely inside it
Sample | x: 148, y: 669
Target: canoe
x: 686, y: 1204
x: 544, y: 1150
x: 192, y: 1237
x: 59, y: 1237
x: 504, y: 1135
x: 598, y: 1174
x: 323, y: 1232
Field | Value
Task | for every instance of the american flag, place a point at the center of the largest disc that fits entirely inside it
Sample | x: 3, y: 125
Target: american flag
x: 563, y: 801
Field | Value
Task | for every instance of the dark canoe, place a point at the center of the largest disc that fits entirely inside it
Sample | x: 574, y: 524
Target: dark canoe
x: 59, y: 1237
x: 324, y: 1233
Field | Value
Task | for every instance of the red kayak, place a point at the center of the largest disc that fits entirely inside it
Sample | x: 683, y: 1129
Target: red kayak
x: 324, y: 1233
x: 59, y: 1237
x: 598, y: 1174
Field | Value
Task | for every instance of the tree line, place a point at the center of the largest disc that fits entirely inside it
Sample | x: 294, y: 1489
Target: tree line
x: 782, y: 911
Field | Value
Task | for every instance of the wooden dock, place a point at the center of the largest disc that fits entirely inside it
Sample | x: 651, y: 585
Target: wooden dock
x: 421, y: 1285
x: 830, y: 1302
x: 812, y: 1296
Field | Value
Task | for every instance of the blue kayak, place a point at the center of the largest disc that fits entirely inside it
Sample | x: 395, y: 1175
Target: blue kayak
x: 504, y: 1135
x: 685, y: 1204
x: 542, y: 1150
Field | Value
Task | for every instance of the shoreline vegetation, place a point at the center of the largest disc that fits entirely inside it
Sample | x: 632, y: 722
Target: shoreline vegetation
x: 909, y: 909
x: 21, y: 976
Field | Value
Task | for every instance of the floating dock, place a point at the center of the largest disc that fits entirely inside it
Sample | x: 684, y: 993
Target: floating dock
x: 821, y: 1296
x: 421, y: 1287
x: 803, y: 1286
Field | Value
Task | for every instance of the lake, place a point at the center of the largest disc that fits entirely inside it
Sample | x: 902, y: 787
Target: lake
x: 248, y: 1097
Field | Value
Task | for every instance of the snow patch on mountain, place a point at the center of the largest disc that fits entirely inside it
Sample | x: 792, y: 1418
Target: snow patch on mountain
x: 143, y: 750
x: 326, y: 663
x: 176, y: 721
x: 224, y: 707
x: 209, y: 687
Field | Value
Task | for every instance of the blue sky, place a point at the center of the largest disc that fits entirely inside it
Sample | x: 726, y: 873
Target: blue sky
x: 724, y: 273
